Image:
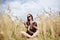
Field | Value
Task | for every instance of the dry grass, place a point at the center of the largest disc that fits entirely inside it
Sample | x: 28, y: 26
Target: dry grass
x: 49, y: 28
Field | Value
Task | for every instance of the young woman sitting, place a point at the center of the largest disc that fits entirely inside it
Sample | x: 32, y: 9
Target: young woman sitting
x: 31, y: 26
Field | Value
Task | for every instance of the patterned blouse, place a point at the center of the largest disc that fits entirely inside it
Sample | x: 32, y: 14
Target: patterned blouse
x: 31, y: 29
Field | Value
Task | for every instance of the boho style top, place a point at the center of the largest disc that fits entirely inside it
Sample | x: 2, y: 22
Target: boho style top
x: 31, y: 29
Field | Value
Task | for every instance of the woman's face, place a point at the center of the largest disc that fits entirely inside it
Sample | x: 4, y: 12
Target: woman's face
x: 29, y: 17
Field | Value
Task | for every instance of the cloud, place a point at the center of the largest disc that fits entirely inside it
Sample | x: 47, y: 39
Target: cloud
x: 21, y: 8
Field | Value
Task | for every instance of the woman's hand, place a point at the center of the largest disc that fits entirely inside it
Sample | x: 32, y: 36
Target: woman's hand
x: 21, y: 20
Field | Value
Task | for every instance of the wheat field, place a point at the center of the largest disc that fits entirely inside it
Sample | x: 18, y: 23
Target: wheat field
x: 49, y: 28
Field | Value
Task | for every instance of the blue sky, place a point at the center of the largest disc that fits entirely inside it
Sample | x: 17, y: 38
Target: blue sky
x: 21, y: 8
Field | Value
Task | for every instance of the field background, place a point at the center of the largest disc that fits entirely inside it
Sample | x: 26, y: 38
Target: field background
x: 49, y: 28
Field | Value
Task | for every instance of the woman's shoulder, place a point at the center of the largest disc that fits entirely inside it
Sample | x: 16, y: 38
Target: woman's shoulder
x: 35, y: 23
x: 28, y: 23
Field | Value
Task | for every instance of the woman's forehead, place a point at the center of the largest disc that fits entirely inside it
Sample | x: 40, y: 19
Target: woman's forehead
x: 28, y: 15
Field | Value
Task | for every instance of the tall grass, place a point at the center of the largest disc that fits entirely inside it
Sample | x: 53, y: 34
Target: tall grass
x: 49, y: 28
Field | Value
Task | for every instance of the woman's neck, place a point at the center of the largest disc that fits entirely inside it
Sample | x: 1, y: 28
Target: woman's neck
x: 31, y: 21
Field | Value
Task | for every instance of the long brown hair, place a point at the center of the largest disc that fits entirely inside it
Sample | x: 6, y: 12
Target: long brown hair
x: 28, y: 20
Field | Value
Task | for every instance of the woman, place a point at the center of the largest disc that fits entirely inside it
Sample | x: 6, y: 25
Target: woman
x: 31, y: 27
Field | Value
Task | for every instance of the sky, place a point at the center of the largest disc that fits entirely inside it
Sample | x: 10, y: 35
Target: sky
x: 21, y: 8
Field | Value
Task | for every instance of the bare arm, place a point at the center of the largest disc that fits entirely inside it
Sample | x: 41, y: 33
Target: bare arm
x: 22, y: 21
x: 25, y: 25
x: 36, y: 33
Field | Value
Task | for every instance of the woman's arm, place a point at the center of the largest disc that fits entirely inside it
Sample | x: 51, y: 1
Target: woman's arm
x: 22, y: 21
x: 36, y: 33
x: 25, y: 25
